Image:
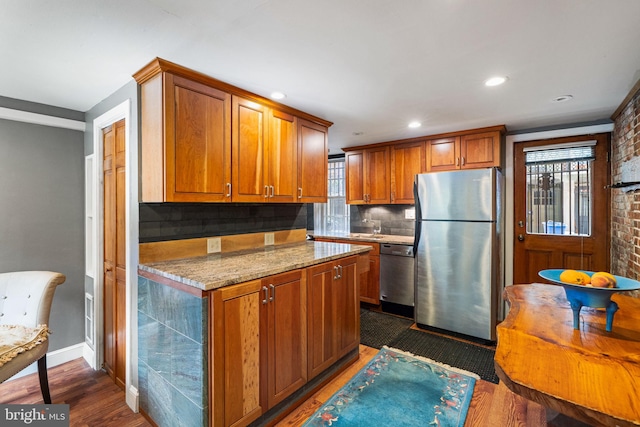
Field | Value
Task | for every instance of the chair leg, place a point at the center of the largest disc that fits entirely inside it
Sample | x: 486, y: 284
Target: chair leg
x: 44, y: 380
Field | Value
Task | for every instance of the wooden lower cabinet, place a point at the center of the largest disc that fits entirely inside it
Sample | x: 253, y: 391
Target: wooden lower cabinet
x: 284, y: 330
x: 236, y: 355
x: 369, y: 279
x: 347, y: 306
x: 269, y: 337
x: 334, y: 312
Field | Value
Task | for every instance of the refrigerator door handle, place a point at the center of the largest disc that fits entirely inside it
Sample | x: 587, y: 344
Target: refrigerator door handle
x: 418, y: 218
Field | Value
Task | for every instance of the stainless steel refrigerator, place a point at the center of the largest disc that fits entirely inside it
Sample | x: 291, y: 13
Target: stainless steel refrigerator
x: 458, y: 249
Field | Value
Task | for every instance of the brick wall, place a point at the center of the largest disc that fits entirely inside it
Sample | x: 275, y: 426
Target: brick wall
x: 625, y: 210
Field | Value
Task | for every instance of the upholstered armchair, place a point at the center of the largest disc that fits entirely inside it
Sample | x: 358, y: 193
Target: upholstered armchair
x: 25, y: 304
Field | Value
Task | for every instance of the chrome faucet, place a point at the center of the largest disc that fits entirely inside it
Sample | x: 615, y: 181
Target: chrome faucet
x: 376, y: 224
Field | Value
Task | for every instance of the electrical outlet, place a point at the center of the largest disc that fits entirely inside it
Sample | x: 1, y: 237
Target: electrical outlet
x: 410, y: 213
x: 214, y: 245
x: 268, y: 239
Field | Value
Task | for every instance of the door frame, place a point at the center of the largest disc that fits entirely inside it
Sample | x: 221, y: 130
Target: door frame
x: 509, y: 182
x: 121, y: 111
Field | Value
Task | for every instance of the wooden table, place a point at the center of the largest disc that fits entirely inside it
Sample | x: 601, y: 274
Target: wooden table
x: 588, y: 374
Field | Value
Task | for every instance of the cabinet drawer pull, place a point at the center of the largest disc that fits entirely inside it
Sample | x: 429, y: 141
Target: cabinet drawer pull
x: 339, y: 272
x: 299, y: 192
x: 457, y: 161
x: 266, y: 191
x: 273, y: 191
x: 335, y: 275
x: 228, y: 190
x: 462, y: 160
x: 273, y: 293
x: 266, y: 294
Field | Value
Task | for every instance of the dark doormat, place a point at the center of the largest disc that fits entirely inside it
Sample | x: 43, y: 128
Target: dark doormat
x: 379, y: 329
x: 449, y: 351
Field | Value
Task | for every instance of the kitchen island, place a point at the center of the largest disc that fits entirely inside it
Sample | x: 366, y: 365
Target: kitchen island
x: 241, y: 337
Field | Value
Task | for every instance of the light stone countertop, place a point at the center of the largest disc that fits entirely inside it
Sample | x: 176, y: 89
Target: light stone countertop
x: 366, y: 237
x: 218, y: 270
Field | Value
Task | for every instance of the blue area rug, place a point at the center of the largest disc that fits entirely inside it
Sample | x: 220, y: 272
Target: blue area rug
x: 400, y: 389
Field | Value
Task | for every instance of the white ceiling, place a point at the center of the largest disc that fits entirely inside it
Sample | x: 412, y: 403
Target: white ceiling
x: 369, y: 66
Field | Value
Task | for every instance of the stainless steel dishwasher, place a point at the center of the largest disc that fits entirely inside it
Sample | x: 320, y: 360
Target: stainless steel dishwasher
x: 396, y: 274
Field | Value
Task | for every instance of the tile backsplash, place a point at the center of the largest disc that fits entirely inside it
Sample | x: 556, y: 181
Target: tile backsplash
x: 391, y: 217
x: 175, y: 221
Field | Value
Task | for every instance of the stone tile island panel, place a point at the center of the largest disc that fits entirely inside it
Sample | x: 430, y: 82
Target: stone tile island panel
x: 172, y: 355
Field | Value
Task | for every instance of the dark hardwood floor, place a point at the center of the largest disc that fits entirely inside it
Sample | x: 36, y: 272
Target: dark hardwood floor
x: 93, y: 398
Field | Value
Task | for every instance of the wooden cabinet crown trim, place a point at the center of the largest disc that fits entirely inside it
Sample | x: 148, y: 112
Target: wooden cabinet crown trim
x: 499, y: 128
x: 159, y: 65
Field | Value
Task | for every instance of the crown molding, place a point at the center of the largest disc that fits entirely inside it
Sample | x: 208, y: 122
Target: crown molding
x: 41, y: 119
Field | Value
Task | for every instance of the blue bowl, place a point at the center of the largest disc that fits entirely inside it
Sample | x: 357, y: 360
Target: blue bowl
x: 581, y: 295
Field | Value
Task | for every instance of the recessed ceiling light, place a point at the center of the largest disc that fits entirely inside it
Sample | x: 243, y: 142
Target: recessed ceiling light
x: 278, y: 95
x: 496, y: 81
x: 562, y: 98
x: 415, y: 124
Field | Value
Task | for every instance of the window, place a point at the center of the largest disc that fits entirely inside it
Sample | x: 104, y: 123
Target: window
x: 334, y: 215
x: 559, y: 188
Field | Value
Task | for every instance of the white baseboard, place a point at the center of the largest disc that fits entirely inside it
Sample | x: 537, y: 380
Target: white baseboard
x: 133, y: 398
x: 89, y: 355
x: 54, y: 358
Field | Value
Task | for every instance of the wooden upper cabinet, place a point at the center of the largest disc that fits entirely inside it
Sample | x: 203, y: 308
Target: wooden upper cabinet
x: 354, y: 180
x: 471, y: 151
x: 480, y: 150
x: 282, y: 157
x: 378, y: 175
x: 368, y: 176
x: 443, y: 154
x: 204, y: 140
x: 313, y: 152
x: 265, y: 154
x: 186, y: 141
x: 249, y: 145
x: 407, y: 160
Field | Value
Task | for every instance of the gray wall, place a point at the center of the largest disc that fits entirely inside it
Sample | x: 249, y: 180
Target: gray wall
x: 128, y: 91
x: 42, y: 211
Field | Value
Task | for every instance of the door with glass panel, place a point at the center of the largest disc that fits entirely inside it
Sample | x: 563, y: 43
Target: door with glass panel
x: 562, y: 206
